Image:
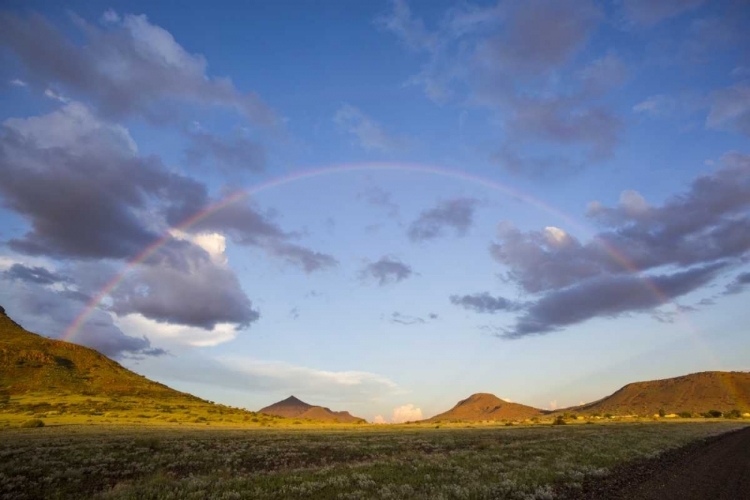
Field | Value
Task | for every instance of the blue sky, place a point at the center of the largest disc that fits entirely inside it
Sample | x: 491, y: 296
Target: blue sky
x: 543, y: 200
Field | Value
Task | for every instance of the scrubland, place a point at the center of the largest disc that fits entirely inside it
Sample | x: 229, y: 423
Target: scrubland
x: 194, y: 461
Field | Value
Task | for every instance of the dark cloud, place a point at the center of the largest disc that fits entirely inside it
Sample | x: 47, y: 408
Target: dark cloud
x: 37, y: 274
x: 227, y: 155
x: 457, y: 214
x: 387, y: 270
x: 181, y: 284
x: 739, y: 284
x: 97, y: 181
x: 484, y: 303
x: 608, y: 296
x: 129, y: 66
x: 49, y: 312
x: 707, y: 223
x: 308, y: 260
x: 649, y: 12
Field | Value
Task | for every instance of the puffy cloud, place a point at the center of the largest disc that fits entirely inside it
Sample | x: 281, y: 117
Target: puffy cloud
x: 484, y: 303
x: 406, y: 413
x: 369, y: 133
x: 457, y: 214
x: 227, y: 155
x: 180, y: 284
x: 387, y: 270
x: 129, y: 66
x: 650, y: 12
x: 169, y: 334
x: 378, y: 419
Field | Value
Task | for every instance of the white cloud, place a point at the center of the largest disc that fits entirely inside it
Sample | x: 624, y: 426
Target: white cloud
x: 553, y: 405
x: 406, y: 413
x: 110, y: 16
x: 175, y: 335
x: 18, y: 83
x: 632, y: 202
x: 67, y: 126
x: 379, y: 419
x: 213, y: 243
x: 55, y: 96
x: 555, y: 235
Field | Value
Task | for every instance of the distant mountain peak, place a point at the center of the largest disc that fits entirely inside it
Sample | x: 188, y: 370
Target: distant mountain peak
x: 292, y: 407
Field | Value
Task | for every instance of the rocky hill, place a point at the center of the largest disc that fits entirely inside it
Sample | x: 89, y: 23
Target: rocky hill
x: 292, y: 407
x: 484, y: 406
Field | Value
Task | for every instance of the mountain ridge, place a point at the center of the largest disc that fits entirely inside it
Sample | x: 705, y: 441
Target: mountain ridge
x: 292, y: 407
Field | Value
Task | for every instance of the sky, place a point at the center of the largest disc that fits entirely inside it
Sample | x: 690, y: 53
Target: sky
x: 381, y: 206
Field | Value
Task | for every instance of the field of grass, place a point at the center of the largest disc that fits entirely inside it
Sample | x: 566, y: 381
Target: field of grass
x: 344, y: 462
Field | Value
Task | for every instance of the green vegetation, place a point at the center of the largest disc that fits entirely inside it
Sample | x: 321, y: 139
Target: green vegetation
x: 354, y: 462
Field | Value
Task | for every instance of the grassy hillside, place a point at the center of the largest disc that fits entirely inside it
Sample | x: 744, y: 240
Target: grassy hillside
x: 483, y: 406
x: 695, y: 393
x: 58, y: 382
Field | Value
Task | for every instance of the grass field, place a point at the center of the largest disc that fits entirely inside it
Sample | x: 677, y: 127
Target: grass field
x: 347, y: 462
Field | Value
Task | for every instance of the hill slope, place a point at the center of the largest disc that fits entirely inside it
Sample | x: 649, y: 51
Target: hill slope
x: 292, y: 407
x: 695, y: 393
x: 483, y: 406
x: 30, y: 363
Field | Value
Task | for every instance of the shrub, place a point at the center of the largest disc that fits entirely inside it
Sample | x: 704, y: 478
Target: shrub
x: 685, y: 414
x: 712, y: 414
x: 34, y: 422
x: 559, y: 420
x: 733, y: 414
x: 662, y: 412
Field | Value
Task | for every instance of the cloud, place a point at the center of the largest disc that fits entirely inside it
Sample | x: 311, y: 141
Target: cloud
x: 608, y: 296
x: 369, y: 133
x: 379, y: 197
x: 656, y: 105
x: 484, y: 303
x: 403, y: 319
x: 553, y: 405
x: 540, y: 35
x: 519, y: 60
x: 276, y: 377
x: 378, y: 419
x: 18, y: 83
x: 456, y: 213
x: 127, y: 67
x: 180, y: 284
x: 406, y: 413
x: 56, y: 97
x: 387, y: 270
x: 730, y: 109
x: 650, y: 12
x: 37, y: 274
x: 49, y: 311
x: 227, y: 155
x: 174, y: 335
x: 409, y: 29
x: 740, y: 283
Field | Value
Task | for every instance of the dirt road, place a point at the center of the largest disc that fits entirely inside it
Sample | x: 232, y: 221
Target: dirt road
x: 716, y: 469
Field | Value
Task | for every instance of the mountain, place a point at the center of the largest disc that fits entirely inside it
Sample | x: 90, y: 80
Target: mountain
x: 483, y: 406
x: 292, y: 407
x: 695, y: 393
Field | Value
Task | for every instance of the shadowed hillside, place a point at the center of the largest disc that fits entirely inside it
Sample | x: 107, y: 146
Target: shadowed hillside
x: 694, y: 393
x: 483, y: 406
x: 292, y: 407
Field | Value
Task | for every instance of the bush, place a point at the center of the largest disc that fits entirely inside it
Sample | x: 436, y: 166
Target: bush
x: 685, y: 414
x: 559, y: 420
x: 34, y: 422
x: 662, y: 412
x: 713, y: 414
x: 733, y: 414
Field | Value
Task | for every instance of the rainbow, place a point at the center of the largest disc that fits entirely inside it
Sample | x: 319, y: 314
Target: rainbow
x: 235, y: 197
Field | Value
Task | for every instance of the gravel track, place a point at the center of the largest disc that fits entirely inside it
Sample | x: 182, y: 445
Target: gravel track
x: 717, y: 468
